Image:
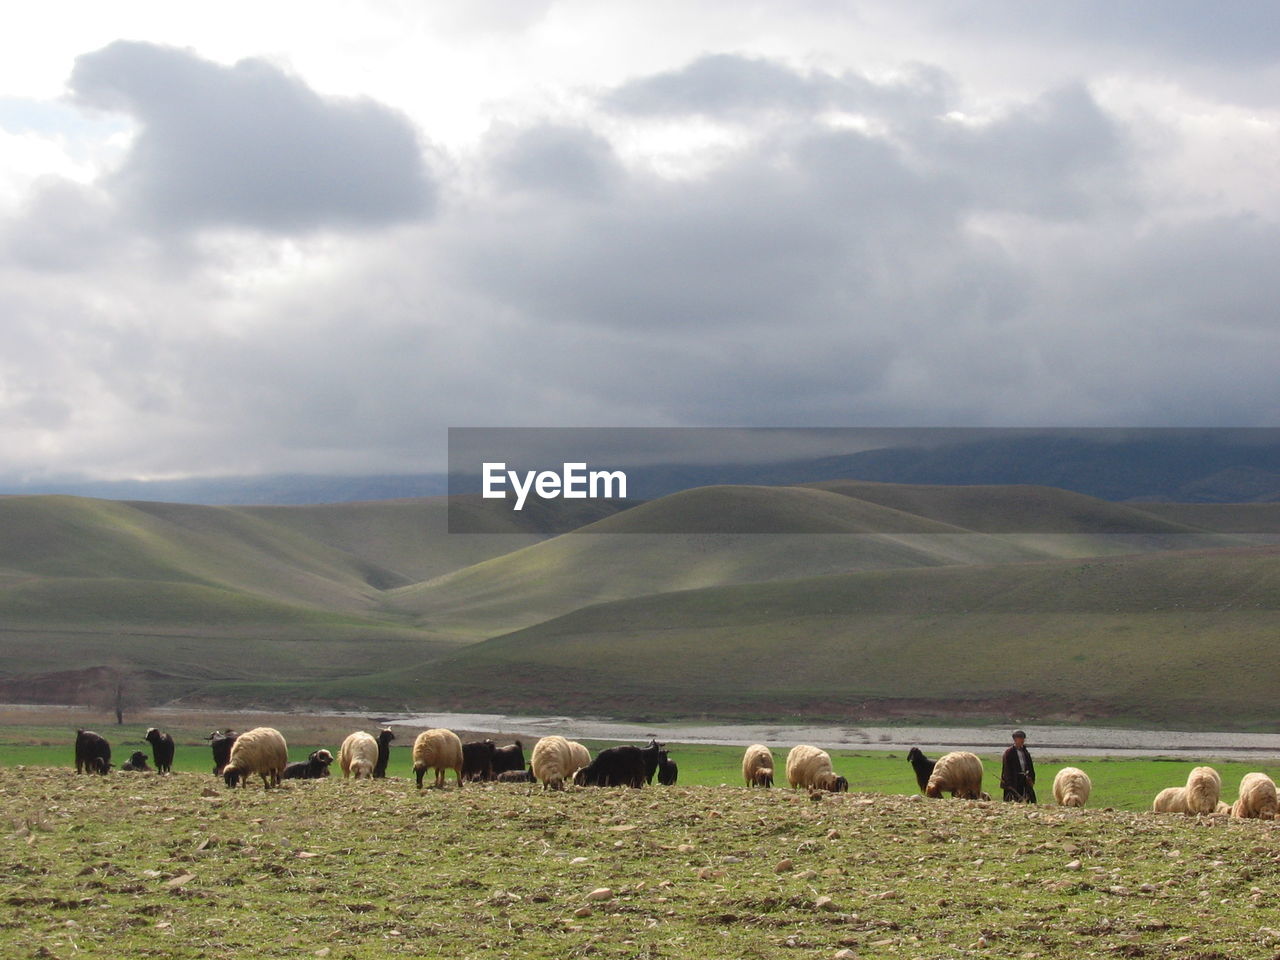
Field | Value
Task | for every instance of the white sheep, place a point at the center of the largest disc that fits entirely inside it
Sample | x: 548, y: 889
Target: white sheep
x: 438, y: 748
x: 1170, y: 800
x: 810, y: 767
x: 262, y: 751
x: 958, y: 773
x: 581, y: 757
x: 757, y: 766
x: 1204, y: 787
x: 1071, y: 787
x: 1257, y: 797
x: 553, y: 762
x: 358, y: 755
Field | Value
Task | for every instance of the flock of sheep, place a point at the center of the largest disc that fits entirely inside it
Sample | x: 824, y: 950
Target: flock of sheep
x: 557, y: 761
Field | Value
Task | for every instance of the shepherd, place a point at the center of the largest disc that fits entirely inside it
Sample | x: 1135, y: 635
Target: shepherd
x: 1018, y: 772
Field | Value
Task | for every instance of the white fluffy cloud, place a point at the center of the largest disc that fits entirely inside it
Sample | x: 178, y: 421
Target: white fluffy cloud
x: 237, y: 265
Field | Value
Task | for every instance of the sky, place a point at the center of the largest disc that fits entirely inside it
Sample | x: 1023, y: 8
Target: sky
x: 242, y: 239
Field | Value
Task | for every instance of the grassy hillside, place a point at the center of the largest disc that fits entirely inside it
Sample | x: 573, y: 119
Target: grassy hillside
x: 864, y: 609
x: 1171, y: 638
x: 677, y: 543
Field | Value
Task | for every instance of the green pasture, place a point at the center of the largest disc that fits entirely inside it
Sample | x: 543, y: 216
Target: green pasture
x: 1123, y: 784
x: 165, y: 867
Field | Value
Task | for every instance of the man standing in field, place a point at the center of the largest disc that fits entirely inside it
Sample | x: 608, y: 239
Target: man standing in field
x: 1017, y: 772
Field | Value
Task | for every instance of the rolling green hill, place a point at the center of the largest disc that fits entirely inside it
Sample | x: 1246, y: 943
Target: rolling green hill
x: 866, y: 604
x: 1172, y: 638
x: 676, y: 543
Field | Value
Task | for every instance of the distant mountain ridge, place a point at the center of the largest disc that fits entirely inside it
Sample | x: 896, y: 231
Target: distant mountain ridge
x: 1183, y: 466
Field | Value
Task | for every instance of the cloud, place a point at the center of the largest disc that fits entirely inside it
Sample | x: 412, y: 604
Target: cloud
x: 729, y: 85
x: 250, y: 145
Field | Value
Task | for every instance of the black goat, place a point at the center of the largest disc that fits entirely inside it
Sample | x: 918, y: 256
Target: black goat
x: 385, y: 736
x: 615, y: 767
x: 922, y: 765
x: 508, y: 758
x: 137, y: 761
x: 651, y: 754
x: 161, y: 749
x: 477, y: 759
x: 315, y: 767
x: 93, y: 753
x: 221, y: 744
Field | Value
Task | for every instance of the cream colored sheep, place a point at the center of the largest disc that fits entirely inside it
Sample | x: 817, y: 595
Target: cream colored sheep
x: 1204, y: 787
x: 1071, y: 787
x: 262, y: 751
x: 1257, y: 797
x: 958, y: 773
x: 757, y: 766
x: 1223, y: 809
x: 810, y: 768
x: 1170, y: 800
x: 580, y: 757
x: 441, y: 749
x: 358, y: 755
x: 553, y: 762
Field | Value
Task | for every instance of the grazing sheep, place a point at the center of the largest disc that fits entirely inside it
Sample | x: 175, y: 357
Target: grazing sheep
x: 615, y: 767
x: 579, y: 757
x: 440, y: 749
x: 1257, y: 797
x: 958, y: 773
x: 1170, y: 800
x: 477, y: 759
x: 922, y: 765
x: 93, y: 753
x: 137, y: 762
x: 517, y: 776
x: 1071, y: 787
x: 1204, y: 787
x: 757, y: 766
x: 667, y: 770
x: 385, y: 736
x: 1222, y: 809
x: 810, y: 767
x: 554, y: 762
x: 508, y: 758
x: 315, y: 767
x: 161, y: 749
x: 358, y: 755
x: 221, y: 744
x: 262, y: 751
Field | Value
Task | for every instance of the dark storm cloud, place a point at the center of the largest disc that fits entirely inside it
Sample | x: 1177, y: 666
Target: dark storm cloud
x: 250, y: 145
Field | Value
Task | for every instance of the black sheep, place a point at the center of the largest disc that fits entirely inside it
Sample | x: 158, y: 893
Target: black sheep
x: 385, y: 736
x: 315, y: 767
x: 161, y: 749
x: 221, y: 746
x: 508, y: 758
x: 93, y: 753
x: 667, y: 770
x: 477, y: 760
x: 137, y: 761
x: 922, y: 765
x: 615, y: 767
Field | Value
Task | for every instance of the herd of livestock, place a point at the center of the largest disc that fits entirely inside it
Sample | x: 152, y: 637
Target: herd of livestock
x: 556, y: 762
